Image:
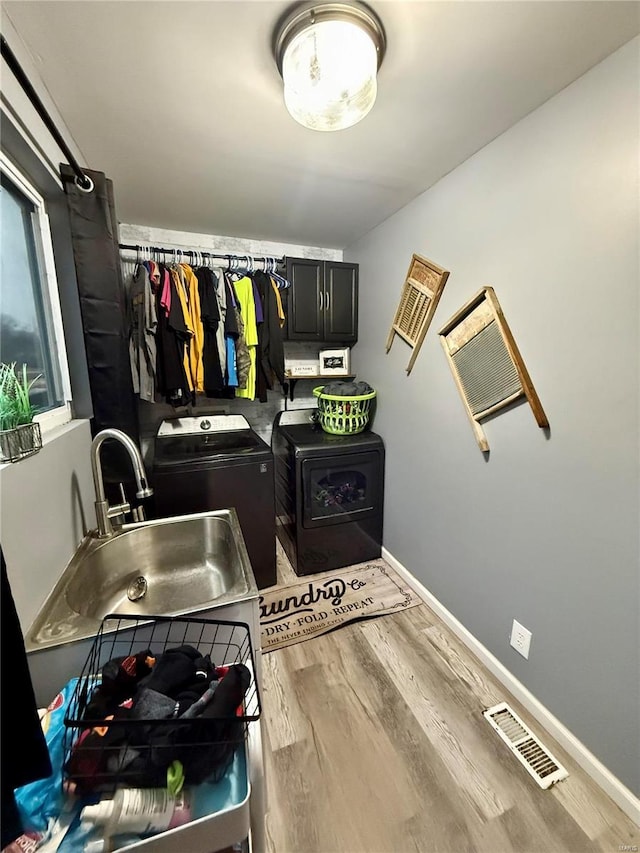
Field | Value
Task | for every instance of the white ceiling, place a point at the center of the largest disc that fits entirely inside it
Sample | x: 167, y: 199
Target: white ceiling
x: 180, y: 103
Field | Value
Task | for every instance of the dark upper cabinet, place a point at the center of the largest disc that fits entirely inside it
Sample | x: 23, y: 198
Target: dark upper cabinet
x: 322, y: 302
x: 340, y: 306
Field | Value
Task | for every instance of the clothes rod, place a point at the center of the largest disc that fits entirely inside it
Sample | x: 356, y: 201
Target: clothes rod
x: 196, y: 253
x: 83, y: 181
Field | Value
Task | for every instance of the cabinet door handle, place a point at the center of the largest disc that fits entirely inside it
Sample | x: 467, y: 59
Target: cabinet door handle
x: 320, y: 298
x: 327, y: 300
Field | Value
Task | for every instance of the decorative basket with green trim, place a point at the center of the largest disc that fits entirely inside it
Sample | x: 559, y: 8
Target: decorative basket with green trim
x: 343, y: 415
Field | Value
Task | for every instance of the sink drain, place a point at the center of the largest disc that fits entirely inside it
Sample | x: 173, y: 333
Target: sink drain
x: 137, y: 589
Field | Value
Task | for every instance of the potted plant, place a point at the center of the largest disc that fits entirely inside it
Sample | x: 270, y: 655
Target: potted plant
x: 19, y: 435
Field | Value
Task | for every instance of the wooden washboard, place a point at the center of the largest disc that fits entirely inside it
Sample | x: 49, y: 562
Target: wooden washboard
x: 421, y: 293
x: 486, y: 363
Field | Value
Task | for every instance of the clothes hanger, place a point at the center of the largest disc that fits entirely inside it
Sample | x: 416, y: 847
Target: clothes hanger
x: 280, y: 280
x: 230, y: 273
x: 286, y: 282
x: 235, y: 268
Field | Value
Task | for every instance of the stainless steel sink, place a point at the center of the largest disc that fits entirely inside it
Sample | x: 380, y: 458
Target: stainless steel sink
x: 164, y: 567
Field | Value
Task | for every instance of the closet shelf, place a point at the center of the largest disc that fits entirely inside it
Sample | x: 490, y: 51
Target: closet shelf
x: 290, y: 381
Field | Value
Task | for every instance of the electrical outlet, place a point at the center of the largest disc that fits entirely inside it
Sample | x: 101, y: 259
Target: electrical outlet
x: 520, y: 639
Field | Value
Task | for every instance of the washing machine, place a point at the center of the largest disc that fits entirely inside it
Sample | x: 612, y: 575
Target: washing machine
x: 217, y: 462
x: 329, y: 493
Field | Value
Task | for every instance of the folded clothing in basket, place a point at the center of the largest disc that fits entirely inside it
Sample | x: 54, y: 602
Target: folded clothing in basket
x: 120, y: 677
x: 137, y: 739
x: 347, y: 389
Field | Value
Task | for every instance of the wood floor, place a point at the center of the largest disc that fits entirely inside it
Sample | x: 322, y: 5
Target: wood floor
x: 375, y: 743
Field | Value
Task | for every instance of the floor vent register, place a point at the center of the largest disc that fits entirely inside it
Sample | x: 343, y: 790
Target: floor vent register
x: 540, y: 763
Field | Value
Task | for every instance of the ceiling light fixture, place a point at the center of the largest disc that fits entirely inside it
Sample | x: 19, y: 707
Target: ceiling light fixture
x: 328, y: 55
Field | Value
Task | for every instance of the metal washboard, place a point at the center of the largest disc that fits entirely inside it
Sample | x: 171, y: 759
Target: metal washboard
x: 485, y: 361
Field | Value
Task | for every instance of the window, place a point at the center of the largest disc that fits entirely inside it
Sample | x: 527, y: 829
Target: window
x: 31, y: 329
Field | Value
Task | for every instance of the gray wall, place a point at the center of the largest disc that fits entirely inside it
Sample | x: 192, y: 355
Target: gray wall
x: 546, y: 529
x: 46, y: 501
x: 46, y: 507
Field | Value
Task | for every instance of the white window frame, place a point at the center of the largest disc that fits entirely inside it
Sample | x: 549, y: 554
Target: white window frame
x: 62, y: 414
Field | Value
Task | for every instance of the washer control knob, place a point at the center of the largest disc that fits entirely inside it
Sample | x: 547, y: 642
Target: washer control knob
x: 205, y: 424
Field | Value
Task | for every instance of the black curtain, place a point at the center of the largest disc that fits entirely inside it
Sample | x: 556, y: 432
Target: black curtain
x: 20, y: 724
x: 94, y: 234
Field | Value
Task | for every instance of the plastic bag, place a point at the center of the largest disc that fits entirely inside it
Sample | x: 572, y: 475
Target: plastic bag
x: 42, y: 800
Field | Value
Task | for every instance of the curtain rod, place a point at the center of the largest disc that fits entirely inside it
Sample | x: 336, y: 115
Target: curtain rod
x: 83, y: 181
x: 195, y: 253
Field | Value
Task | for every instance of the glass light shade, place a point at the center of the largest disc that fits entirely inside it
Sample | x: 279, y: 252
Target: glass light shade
x: 329, y: 72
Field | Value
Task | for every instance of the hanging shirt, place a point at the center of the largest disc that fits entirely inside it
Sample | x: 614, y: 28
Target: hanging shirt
x: 258, y: 301
x: 244, y: 294
x: 165, y: 291
x: 154, y: 274
x: 210, y: 312
x: 270, y: 360
x: 243, y: 357
x: 171, y: 342
x: 280, y: 309
x: 179, y: 290
x: 195, y: 315
x: 236, y: 348
x: 221, y: 296
x: 142, y: 340
x: 187, y: 289
x: 232, y: 371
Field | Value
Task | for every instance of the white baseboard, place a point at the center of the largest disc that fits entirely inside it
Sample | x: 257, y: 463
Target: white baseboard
x: 610, y: 784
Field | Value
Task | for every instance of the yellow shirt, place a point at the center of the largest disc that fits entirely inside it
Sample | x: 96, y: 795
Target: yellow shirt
x: 244, y: 294
x: 195, y: 315
x: 281, y: 316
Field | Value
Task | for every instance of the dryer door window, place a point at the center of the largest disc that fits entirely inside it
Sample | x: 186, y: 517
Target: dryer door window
x: 341, y: 488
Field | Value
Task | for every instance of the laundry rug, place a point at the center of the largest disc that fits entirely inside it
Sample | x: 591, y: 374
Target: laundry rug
x: 303, y: 610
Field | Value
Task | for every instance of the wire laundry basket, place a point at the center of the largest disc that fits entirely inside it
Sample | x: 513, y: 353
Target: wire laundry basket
x: 104, y: 752
x: 343, y: 415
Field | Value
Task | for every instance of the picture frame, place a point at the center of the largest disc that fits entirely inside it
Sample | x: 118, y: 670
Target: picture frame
x: 335, y: 362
